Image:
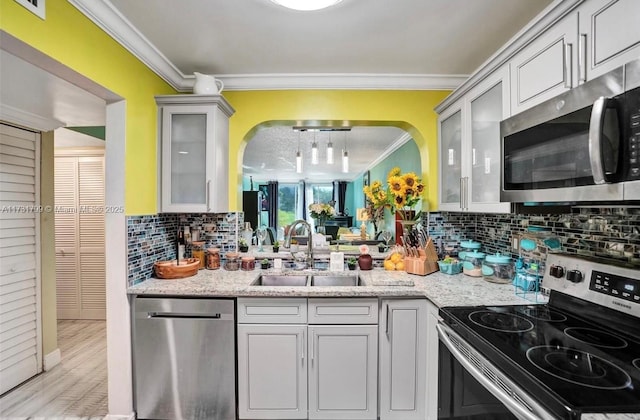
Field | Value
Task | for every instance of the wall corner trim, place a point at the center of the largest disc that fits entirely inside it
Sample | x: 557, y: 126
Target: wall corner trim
x: 51, y: 360
x: 131, y: 416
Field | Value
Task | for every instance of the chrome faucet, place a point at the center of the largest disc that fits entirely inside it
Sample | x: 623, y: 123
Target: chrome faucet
x: 292, y: 229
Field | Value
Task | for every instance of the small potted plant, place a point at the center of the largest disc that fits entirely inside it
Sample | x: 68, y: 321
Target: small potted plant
x: 242, y: 245
x: 352, y: 262
x: 382, y: 247
x: 264, y: 264
x: 276, y: 246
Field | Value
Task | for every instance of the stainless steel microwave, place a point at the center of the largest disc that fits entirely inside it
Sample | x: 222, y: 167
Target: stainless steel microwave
x: 581, y: 146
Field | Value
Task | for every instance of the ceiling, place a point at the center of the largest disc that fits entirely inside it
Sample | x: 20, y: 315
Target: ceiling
x: 271, y: 154
x: 406, y: 37
x: 254, y: 44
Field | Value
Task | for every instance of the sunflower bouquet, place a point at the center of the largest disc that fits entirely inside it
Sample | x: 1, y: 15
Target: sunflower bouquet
x: 405, y: 191
x: 401, y: 194
x: 377, y: 201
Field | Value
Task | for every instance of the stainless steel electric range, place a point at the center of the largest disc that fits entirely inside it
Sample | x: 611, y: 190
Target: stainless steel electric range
x: 571, y: 358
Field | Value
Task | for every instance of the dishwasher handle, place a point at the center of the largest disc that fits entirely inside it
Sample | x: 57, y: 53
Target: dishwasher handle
x: 179, y: 315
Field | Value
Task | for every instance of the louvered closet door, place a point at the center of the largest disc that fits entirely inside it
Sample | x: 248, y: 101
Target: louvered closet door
x: 80, y: 259
x: 20, y: 336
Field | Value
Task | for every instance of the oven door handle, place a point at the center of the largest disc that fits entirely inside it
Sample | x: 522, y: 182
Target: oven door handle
x: 596, y: 125
x: 522, y: 412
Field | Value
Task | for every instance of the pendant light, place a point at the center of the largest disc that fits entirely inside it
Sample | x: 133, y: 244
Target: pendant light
x: 314, y: 151
x: 298, y: 157
x: 345, y: 156
x: 330, y: 151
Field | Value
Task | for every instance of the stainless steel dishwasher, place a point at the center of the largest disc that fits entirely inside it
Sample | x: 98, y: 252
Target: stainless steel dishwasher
x: 184, y: 358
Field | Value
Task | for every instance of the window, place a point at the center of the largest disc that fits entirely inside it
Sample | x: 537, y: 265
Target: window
x: 290, y: 200
x: 319, y: 193
x: 287, y: 197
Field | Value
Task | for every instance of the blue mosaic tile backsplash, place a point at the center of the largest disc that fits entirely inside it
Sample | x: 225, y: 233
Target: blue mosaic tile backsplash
x: 152, y: 238
x: 611, y: 234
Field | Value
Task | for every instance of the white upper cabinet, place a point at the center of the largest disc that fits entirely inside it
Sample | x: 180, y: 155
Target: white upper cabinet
x: 593, y: 39
x: 609, y: 36
x: 545, y: 68
x: 450, y: 145
x: 469, y: 148
x: 193, y: 153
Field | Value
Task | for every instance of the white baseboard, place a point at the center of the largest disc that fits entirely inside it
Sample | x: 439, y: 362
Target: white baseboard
x: 131, y: 416
x: 51, y: 360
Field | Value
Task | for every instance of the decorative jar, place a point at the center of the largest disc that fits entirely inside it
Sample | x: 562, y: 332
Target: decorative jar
x: 472, y: 265
x: 468, y: 246
x: 248, y: 263
x: 232, y: 261
x: 213, y: 258
x: 197, y: 251
x: 498, y: 268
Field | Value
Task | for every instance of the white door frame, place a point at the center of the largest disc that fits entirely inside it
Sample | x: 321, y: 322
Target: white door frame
x: 119, y: 363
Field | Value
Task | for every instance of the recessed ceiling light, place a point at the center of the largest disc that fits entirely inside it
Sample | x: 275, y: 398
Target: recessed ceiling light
x: 306, y: 5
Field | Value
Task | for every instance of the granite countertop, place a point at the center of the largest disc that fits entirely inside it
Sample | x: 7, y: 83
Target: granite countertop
x: 441, y: 289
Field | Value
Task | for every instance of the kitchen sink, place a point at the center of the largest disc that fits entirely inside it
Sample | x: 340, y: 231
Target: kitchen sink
x: 335, y: 280
x: 280, y: 280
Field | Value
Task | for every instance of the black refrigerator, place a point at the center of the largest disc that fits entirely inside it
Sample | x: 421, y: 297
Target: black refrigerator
x: 252, y: 207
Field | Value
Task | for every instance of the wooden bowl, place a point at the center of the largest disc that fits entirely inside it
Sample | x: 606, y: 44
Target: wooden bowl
x: 169, y: 270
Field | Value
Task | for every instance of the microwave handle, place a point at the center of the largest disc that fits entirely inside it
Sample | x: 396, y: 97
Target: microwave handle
x: 595, y: 139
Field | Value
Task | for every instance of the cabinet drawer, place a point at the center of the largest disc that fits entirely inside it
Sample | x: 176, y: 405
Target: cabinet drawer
x: 343, y: 311
x: 272, y: 311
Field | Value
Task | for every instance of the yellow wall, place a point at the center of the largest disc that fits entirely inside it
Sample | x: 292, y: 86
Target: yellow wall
x: 410, y: 110
x: 69, y: 37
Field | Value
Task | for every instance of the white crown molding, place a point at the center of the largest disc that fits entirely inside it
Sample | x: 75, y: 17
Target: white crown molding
x: 107, y: 17
x: 110, y: 20
x: 354, y: 81
x: 547, y: 18
x: 27, y: 119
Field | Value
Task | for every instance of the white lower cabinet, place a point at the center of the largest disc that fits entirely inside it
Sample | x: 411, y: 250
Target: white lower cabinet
x: 433, y: 343
x: 343, y: 374
x: 272, y: 371
x: 403, y: 359
x: 290, y: 370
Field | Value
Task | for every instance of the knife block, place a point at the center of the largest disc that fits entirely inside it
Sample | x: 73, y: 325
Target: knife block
x: 425, y: 263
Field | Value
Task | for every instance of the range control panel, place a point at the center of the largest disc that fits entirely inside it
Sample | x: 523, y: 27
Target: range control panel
x: 618, y: 286
x: 614, y: 286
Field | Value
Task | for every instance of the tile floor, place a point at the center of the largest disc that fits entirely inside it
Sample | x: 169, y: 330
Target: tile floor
x: 76, y: 389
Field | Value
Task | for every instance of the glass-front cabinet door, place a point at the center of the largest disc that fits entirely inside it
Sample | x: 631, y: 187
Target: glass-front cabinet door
x: 194, y: 138
x: 469, y: 147
x: 187, y: 149
x: 488, y: 105
x: 450, y: 159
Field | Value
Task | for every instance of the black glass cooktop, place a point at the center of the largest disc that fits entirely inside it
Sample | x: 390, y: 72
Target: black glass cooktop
x: 563, y: 360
